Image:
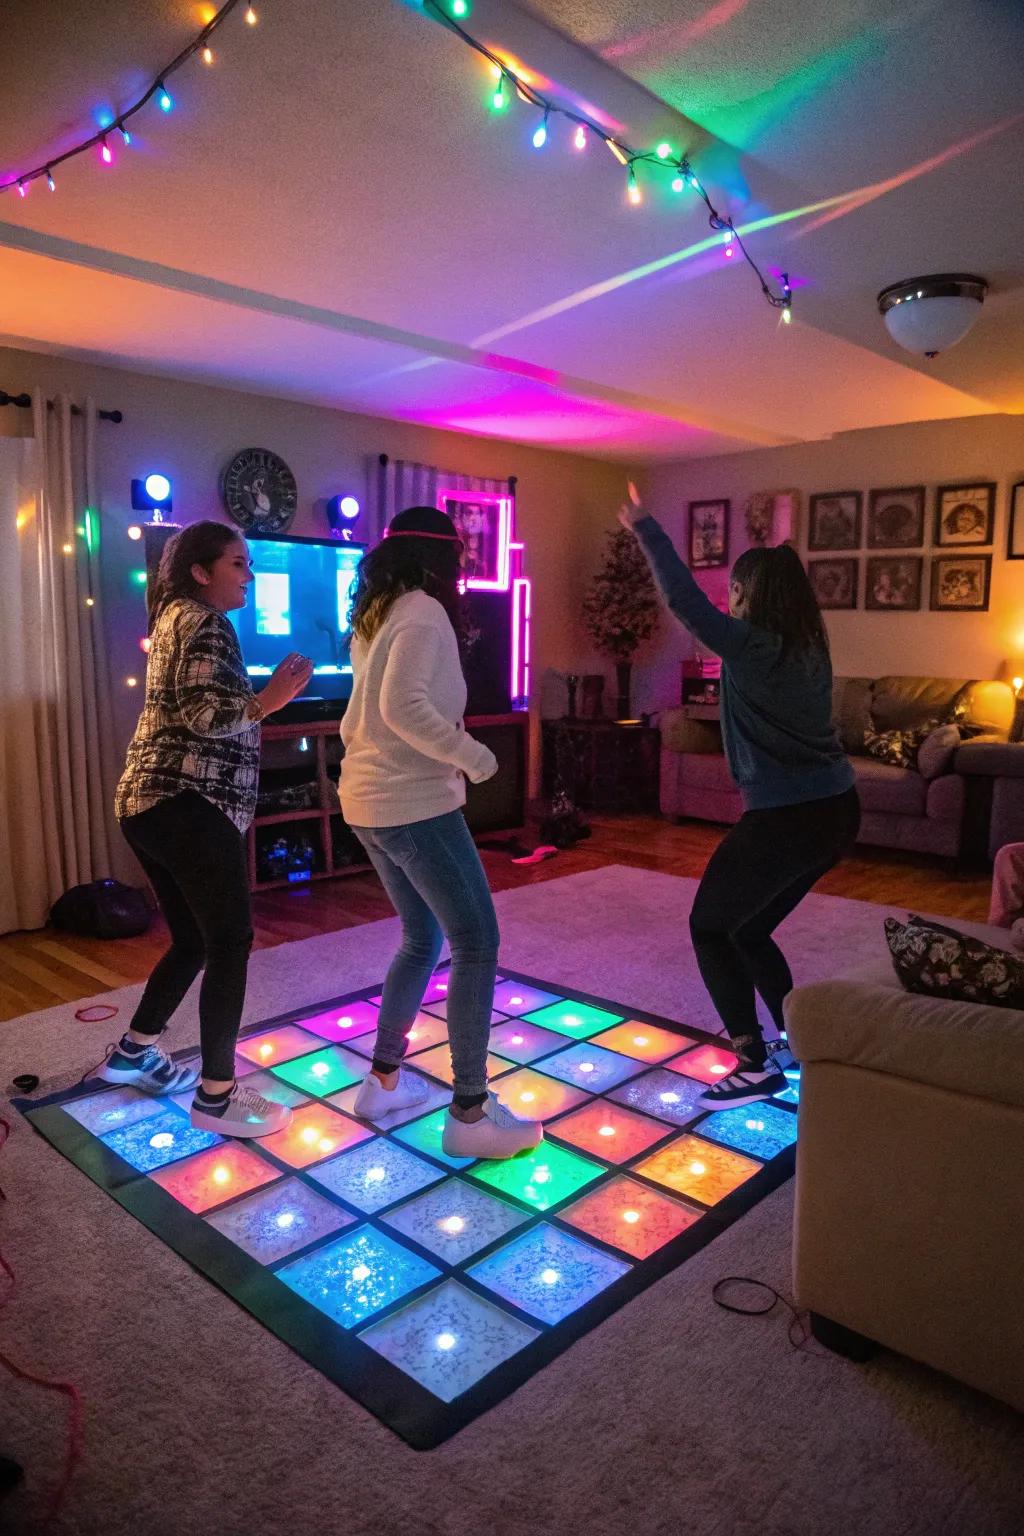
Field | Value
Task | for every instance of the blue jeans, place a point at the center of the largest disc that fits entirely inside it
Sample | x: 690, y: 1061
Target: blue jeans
x: 432, y: 872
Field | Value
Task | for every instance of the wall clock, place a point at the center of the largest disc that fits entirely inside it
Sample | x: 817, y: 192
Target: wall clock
x: 259, y: 491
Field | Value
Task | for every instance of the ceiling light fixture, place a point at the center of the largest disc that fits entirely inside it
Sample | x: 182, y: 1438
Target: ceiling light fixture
x: 927, y: 315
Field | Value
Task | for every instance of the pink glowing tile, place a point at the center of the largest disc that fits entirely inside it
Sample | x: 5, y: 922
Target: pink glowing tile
x: 627, y: 1215
x: 439, y: 1010
x: 524, y: 1042
x: 707, y: 1063
x: 437, y: 1095
x: 426, y: 1031
x: 438, y: 1063
x: 218, y: 1174
x: 280, y: 1220
x: 316, y: 1132
x: 698, y: 1168
x: 609, y: 1131
x: 534, y: 1096
x: 345, y: 1022
x: 277, y: 1045
x: 644, y: 1042
x: 516, y: 998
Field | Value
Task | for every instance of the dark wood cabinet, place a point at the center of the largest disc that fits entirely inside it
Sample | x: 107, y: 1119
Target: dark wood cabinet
x: 605, y: 765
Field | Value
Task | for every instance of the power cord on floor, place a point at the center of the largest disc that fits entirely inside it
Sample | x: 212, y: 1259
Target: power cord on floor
x: 799, y: 1329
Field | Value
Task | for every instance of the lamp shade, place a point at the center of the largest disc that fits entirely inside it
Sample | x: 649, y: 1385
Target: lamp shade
x: 927, y: 315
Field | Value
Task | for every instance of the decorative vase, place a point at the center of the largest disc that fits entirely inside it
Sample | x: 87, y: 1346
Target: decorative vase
x: 623, y: 673
x: 593, y: 691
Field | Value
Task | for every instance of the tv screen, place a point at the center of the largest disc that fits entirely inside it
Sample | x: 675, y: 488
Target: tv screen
x: 299, y: 601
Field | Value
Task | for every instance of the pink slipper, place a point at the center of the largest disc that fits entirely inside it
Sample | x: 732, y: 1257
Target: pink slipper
x: 544, y: 851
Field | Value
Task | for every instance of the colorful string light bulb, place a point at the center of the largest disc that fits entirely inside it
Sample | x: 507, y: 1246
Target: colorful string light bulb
x: 250, y: 16
x: 622, y: 158
x: 106, y: 154
x: 499, y: 101
x: 460, y: 8
x: 729, y: 236
x: 678, y: 183
x: 22, y: 189
x: 540, y: 136
x: 633, y: 192
x: 663, y: 150
x: 207, y: 54
x: 164, y: 100
x: 125, y: 135
x: 580, y: 137
x: 50, y: 181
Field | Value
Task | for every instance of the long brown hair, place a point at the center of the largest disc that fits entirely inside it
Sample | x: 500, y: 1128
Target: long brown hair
x: 197, y: 544
x: 780, y: 598
x: 406, y: 563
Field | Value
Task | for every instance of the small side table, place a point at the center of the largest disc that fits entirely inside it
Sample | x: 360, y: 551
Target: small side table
x: 608, y: 766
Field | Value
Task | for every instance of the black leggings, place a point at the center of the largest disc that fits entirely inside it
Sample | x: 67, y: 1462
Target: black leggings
x: 194, y: 857
x: 758, y: 874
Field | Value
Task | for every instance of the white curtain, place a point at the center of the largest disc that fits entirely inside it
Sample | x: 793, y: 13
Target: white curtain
x: 399, y: 484
x: 57, y: 770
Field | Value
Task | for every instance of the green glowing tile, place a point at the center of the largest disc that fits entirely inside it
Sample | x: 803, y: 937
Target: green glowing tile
x: 540, y: 1179
x: 322, y: 1072
x: 577, y: 1020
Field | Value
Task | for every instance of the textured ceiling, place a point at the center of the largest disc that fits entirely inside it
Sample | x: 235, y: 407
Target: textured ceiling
x: 331, y: 213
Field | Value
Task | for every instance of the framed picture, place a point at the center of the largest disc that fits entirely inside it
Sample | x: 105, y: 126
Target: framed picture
x: 960, y: 583
x: 772, y: 517
x: 965, y: 514
x: 484, y: 519
x: 834, y: 582
x: 896, y: 518
x: 894, y: 582
x: 1015, y: 527
x: 709, y: 534
x: 835, y: 520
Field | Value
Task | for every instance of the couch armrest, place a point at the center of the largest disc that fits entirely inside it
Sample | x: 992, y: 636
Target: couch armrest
x: 962, y: 1047
x: 680, y: 733
x: 991, y: 757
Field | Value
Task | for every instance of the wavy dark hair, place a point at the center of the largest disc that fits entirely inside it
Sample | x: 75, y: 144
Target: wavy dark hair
x: 780, y: 598
x: 197, y: 544
x: 407, y: 563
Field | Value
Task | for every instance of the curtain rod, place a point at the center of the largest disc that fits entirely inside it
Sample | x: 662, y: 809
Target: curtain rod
x: 25, y: 401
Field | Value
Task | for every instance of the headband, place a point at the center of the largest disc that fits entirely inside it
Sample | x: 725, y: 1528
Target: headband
x: 412, y: 533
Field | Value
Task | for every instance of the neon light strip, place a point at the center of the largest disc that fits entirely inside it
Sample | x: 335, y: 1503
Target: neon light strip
x: 521, y: 593
x: 502, y: 580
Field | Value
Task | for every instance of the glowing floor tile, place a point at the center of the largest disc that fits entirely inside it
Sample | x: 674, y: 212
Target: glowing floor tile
x: 547, y: 1273
x: 437, y: 1094
x: 244, y: 1067
x: 455, y: 1220
x: 762, y: 1130
x: 590, y: 1067
x: 276, y: 1045
x: 661, y: 1093
x: 698, y: 1168
x: 273, y: 1088
x: 323, y: 1072
x: 627, y: 1215
x: 280, y: 1220
x: 644, y: 1042
x: 357, y: 1275
x: 448, y: 1339
x: 375, y: 1175
x: 316, y: 1132
x: 577, y: 1020
x: 523, y: 1042
x: 540, y: 1179
x: 531, y: 1094
x: 424, y: 1032
x: 707, y: 1063
x: 158, y: 1140
x: 113, y: 1108
x: 214, y: 1176
x: 439, y: 1009
x: 346, y: 1022
x: 609, y: 1131
x: 425, y: 1136
x: 790, y: 1095
x: 438, y: 1063
x: 515, y: 998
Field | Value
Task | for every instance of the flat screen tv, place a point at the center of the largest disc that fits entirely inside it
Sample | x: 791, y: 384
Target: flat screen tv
x: 299, y: 601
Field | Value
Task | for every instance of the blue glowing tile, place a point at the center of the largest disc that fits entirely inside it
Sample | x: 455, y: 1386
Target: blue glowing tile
x: 666, y: 1095
x: 114, y: 1108
x: 592, y: 1067
x: 158, y: 1140
x: 357, y: 1275
x: 515, y: 998
x: 518, y: 1041
x: 454, y: 1221
x: 547, y: 1273
x: 790, y: 1095
x: 448, y: 1339
x: 761, y: 1130
x: 275, y: 1222
x: 425, y: 1135
x: 375, y: 1175
x: 275, y: 1089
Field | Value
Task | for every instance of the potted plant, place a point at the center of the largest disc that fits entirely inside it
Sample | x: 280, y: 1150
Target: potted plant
x: 621, y: 609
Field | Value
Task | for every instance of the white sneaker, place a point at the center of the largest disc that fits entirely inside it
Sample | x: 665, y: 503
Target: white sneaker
x: 375, y: 1102
x: 247, y: 1113
x: 498, y: 1134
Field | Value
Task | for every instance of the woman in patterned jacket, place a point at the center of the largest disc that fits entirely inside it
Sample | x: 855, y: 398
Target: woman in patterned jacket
x: 184, y: 802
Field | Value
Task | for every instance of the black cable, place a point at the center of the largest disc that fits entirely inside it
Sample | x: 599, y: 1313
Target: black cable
x: 798, y: 1319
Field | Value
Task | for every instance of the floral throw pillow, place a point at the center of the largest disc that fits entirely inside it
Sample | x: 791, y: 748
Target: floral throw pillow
x: 897, y: 748
x: 940, y: 962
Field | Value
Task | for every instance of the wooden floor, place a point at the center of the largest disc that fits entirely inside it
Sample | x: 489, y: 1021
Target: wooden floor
x: 40, y: 969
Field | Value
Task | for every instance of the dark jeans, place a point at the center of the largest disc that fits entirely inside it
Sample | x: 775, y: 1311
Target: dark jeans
x: 758, y: 874
x: 194, y: 857
x: 432, y: 872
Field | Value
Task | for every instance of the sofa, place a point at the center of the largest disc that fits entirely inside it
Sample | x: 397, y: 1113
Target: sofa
x: 910, y: 1174
x: 901, y: 808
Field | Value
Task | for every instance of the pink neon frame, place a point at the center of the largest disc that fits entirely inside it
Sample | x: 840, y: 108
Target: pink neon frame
x: 522, y: 592
x: 504, y: 504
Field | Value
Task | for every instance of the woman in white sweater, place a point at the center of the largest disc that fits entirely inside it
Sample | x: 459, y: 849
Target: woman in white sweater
x: 407, y: 756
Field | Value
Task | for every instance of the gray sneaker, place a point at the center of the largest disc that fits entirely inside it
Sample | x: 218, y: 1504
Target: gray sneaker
x: 246, y: 1113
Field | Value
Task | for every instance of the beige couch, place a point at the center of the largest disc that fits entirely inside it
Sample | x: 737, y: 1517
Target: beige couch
x: 910, y: 1173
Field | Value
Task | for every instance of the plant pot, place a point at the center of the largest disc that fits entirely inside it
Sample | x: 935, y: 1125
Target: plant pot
x: 623, y: 675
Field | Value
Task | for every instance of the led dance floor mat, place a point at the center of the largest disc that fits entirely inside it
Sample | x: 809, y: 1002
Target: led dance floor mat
x: 429, y: 1288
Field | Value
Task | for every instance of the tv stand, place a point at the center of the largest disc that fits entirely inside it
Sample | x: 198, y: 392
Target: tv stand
x: 306, y: 710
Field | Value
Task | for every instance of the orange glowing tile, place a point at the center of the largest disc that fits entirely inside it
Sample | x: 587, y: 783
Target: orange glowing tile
x: 277, y: 1045
x: 438, y: 1063
x: 218, y: 1174
x: 698, y: 1168
x: 535, y: 1096
x: 644, y: 1042
x: 426, y: 1031
x: 707, y: 1064
x: 316, y: 1132
x: 609, y: 1131
x: 629, y: 1216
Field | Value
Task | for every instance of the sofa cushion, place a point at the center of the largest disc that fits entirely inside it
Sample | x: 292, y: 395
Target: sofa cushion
x: 884, y: 788
x: 899, y: 748
x: 851, y: 710
x: 936, y: 752
x: 900, y: 702
x: 940, y: 962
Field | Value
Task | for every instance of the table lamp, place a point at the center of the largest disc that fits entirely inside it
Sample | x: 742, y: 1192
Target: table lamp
x: 1012, y: 672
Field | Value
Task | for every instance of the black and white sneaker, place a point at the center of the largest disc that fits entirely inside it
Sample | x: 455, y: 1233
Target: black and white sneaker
x: 780, y: 1055
x: 747, y: 1085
